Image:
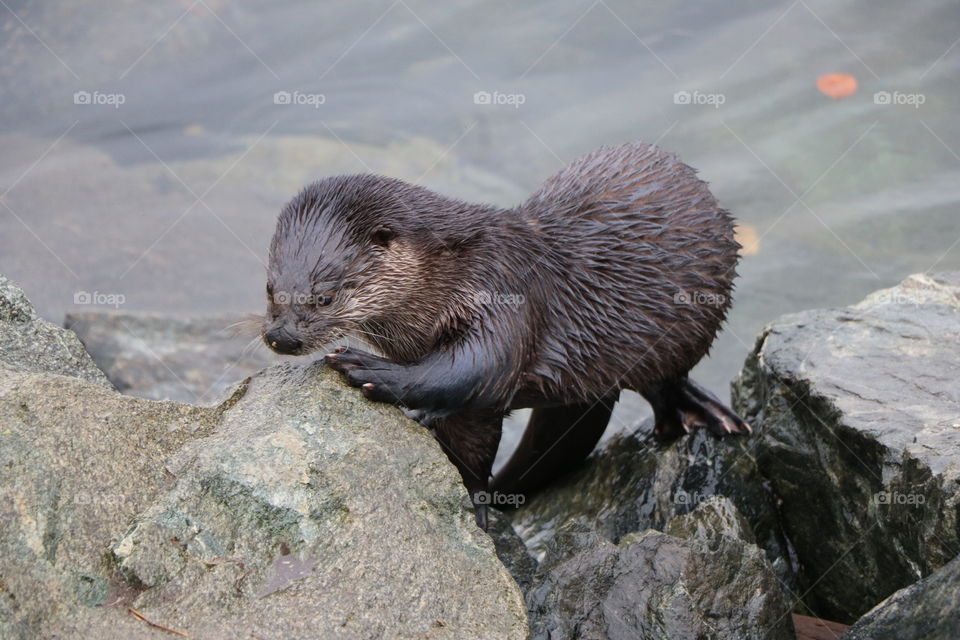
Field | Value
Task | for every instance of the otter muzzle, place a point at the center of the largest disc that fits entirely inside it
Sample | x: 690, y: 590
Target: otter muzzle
x: 282, y: 342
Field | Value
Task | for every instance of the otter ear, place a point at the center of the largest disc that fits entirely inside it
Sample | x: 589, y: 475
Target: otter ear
x: 458, y: 244
x: 382, y: 236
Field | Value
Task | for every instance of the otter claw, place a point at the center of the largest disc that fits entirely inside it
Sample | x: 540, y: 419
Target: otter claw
x: 377, y: 377
x: 481, y: 516
x: 381, y: 393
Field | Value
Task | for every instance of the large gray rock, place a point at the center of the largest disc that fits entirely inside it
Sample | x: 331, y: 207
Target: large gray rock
x: 162, y: 357
x: 311, y: 512
x: 709, y: 584
x: 77, y: 461
x: 293, y: 509
x: 927, y: 610
x: 28, y: 343
x: 856, y: 415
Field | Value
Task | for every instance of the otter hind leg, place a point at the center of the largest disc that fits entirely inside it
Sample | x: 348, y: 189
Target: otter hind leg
x: 470, y: 441
x: 555, y: 441
x: 682, y: 405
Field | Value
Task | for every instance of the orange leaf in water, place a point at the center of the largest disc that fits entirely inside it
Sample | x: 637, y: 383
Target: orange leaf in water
x: 837, y: 85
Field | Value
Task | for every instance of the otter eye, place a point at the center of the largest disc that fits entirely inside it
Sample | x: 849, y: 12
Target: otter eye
x: 382, y: 236
x: 324, y: 300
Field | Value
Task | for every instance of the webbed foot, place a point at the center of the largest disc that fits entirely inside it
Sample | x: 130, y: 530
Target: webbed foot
x: 380, y: 379
x: 682, y: 406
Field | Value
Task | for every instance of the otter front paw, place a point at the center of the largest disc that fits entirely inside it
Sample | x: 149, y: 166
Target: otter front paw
x: 380, y: 379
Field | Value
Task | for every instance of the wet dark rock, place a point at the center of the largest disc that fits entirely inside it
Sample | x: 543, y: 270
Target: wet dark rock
x: 713, y: 520
x: 854, y: 459
x: 856, y: 414
x: 511, y: 550
x: 633, y: 484
x: 161, y: 357
x: 710, y: 584
x: 927, y: 610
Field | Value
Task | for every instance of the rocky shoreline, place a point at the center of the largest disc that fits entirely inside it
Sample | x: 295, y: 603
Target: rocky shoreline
x: 286, y: 506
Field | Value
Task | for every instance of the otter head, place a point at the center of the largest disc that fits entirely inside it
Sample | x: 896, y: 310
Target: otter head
x: 342, y: 256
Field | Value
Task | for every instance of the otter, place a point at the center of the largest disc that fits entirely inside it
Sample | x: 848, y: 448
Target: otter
x: 616, y: 274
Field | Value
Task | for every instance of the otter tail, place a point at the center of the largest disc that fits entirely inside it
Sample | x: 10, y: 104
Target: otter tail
x: 555, y: 441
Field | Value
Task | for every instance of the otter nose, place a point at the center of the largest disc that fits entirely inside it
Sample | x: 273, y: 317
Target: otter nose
x: 282, y: 342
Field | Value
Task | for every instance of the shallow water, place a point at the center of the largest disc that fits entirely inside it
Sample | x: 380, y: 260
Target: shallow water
x: 166, y: 202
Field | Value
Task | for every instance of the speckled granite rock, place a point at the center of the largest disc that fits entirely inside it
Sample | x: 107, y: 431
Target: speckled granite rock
x: 359, y: 501
x: 77, y: 462
x: 293, y: 509
x: 30, y: 344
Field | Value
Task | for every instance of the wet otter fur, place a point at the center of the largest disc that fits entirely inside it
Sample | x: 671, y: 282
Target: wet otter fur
x: 616, y: 274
